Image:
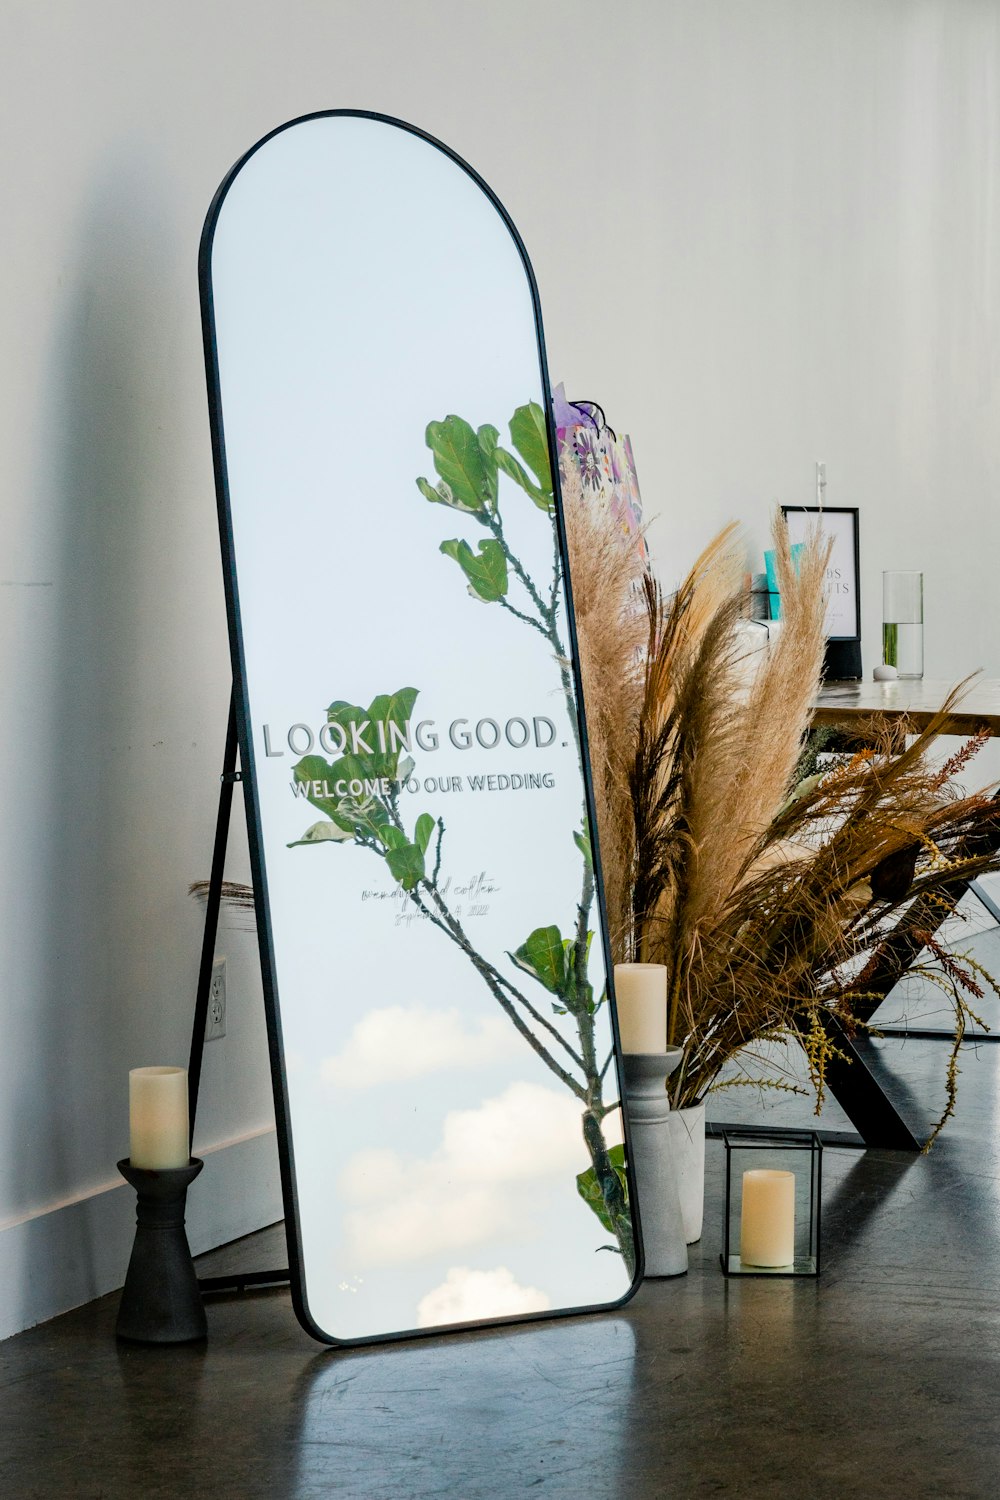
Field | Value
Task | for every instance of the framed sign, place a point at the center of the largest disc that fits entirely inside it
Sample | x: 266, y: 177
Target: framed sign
x: 843, y: 574
x: 843, y: 580
x: 413, y: 751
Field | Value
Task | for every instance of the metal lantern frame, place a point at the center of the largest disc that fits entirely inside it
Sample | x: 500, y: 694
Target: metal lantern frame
x: 760, y: 1139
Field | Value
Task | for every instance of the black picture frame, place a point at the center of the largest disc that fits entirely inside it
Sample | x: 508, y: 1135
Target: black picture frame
x: 843, y: 652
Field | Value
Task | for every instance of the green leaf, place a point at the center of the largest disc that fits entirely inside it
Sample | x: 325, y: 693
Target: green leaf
x: 442, y: 494
x: 585, y: 847
x: 312, y: 768
x: 341, y: 712
x: 344, y: 714
x: 486, y: 572
x: 487, y: 438
x: 551, y: 959
x: 406, y: 864
x: 469, y: 473
x: 367, y: 813
x: 544, y: 956
x: 589, y: 1189
x: 510, y: 466
x: 530, y: 437
x: 348, y: 815
x: 347, y: 768
x: 322, y: 833
x: 422, y: 832
x: 388, y: 708
x: 395, y: 708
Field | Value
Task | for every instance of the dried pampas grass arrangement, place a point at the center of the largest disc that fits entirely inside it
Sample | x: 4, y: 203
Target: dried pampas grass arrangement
x: 782, y: 906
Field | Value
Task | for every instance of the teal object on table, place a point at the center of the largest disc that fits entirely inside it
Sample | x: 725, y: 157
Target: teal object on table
x: 771, y: 569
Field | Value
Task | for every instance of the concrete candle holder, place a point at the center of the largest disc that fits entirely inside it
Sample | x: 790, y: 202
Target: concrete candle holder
x: 161, y: 1302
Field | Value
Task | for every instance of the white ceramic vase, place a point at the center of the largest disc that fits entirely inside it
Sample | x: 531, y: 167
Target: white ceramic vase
x: 687, y: 1148
x: 650, y: 1143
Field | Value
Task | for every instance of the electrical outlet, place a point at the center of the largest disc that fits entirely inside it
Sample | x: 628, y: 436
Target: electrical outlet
x: 215, y: 1024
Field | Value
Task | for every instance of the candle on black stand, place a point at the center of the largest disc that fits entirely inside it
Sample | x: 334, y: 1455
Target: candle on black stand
x: 161, y: 1302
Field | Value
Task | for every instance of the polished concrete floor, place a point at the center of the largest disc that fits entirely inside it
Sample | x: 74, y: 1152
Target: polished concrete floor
x: 881, y: 1379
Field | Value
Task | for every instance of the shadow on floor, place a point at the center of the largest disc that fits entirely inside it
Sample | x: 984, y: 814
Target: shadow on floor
x: 877, y: 1380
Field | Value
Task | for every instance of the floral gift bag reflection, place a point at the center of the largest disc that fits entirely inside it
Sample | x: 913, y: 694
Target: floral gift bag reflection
x: 592, y: 455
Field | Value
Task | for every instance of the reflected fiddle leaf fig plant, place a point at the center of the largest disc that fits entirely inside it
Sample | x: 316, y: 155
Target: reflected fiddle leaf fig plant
x: 542, y: 984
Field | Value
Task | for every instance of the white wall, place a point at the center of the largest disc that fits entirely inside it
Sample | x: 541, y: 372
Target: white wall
x: 765, y: 232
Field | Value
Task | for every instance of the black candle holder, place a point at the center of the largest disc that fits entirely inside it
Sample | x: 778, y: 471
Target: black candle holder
x: 161, y: 1302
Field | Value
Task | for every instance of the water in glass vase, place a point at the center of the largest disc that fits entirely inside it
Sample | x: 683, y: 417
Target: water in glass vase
x: 903, y: 648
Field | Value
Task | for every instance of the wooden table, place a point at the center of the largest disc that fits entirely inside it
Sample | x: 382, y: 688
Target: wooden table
x: 908, y: 706
x: 842, y: 704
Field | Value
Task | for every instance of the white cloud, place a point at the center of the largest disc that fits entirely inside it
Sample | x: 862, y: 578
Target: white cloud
x: 466, y: 1295
x: 408, y: 1041
x: 466, y: 1192
x: 614, y: 1132
x: 414, y: 1225
x: 373, y: 1174
x: 527, y: 1131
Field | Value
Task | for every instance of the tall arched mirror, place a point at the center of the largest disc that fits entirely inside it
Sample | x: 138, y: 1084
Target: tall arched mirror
x: 432, y: 942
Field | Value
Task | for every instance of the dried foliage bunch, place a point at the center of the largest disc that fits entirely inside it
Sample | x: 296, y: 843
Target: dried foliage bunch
x: 782, y: 906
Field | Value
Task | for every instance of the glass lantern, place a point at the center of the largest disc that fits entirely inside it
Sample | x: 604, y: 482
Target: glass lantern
x: 772, y: 1205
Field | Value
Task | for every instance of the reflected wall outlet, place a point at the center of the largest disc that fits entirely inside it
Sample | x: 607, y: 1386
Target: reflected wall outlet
x: 215, y: 1024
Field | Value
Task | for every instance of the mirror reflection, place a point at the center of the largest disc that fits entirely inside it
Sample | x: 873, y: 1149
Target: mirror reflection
x: 445, y: 1060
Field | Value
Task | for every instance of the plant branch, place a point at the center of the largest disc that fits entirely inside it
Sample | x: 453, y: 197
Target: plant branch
x: 535, y: 624
x: 497, y: 985
x: 495, y: 525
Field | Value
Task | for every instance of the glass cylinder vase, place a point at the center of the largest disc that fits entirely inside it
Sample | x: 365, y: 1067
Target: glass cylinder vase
x: 903, y: 623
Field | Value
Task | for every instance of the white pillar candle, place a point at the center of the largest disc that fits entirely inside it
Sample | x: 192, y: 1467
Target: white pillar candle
x: 767, y: 1223
x: 641, y: 995
x: 158, y: 1118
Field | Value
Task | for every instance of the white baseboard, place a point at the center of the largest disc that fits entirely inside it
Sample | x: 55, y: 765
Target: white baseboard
x: 71, y: 1252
